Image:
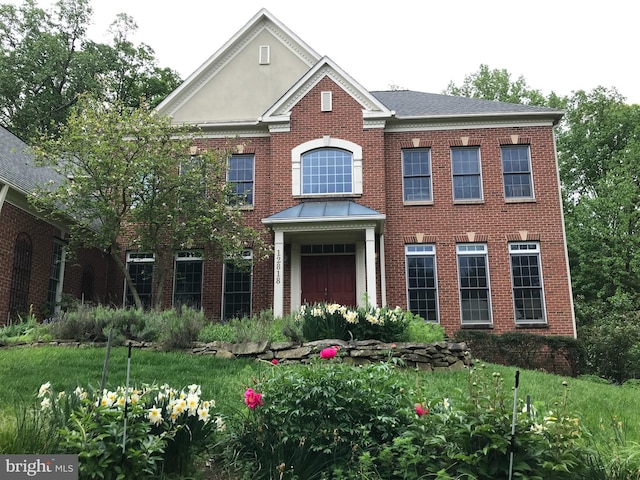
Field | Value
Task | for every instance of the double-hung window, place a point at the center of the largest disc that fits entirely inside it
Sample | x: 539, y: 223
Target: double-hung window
x: 187, y: 281
x: 416, y: 175
x: 516, y: 172
x: 240, y: 175
x: 237, y: 287
x: 422, y: 292
x: 465, y: 165
x: 140, y: 268
x: 327, y: 171
x: 473, y: 274
x: 526, y: 277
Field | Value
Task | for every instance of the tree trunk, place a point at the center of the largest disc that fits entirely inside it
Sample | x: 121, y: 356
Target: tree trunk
x: 115, y: 254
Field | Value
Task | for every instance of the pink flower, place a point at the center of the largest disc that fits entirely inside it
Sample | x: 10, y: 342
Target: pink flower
x: 275, y: 361
x: 252, y: 399
x: 329, y: 352
x: 421, y: 409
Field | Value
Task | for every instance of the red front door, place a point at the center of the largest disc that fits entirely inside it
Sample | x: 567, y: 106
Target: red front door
x: 330, y: 278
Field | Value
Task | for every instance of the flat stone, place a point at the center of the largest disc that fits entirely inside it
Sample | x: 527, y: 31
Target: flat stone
x: 250, y: 348
x: 225, y: 354
x: 296, y: 353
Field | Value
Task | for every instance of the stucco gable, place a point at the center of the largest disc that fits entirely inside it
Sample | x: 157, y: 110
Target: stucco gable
x: 236, y: 85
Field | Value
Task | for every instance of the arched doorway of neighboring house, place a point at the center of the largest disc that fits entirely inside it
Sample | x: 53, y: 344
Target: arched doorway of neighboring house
x: 86, y: 284
x: 20, y: 276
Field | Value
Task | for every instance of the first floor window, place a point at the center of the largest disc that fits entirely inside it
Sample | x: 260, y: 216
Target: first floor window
x: 416, y: 175
x: 140, y: 268
x: 526, y: 277
x: 473, y: 275
x: 56, y: 272
x: 187, y: 281
x: 422, y: 292
x: 237, y: 287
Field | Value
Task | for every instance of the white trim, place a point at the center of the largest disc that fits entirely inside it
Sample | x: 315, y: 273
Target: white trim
x: 296, y: 277
x: 535, y: 251
x: 326, y: 101
x: 3, y: 195
x: 278, y: 274
x: 442, y: 123
x: 529, y: 198
x: 422, y: 250
x: 361, y: 273
x: 383, y: 272
x: 325, y: 142
x: 264, y: 55
x: 370, y: 248
x: 475, y: 249
x: 460, y: 201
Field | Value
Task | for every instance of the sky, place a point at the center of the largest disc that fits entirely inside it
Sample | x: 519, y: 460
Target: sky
x: 556, y: 45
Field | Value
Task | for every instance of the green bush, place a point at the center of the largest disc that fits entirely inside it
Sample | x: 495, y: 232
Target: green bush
x: 316, y: 418
x: 180, y: 328
x: 262, y: 327
x: 612, y: 346
x: 421, y: 331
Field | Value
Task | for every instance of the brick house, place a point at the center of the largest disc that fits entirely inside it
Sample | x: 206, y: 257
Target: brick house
x: 32, y: 249
x: 449, y: 207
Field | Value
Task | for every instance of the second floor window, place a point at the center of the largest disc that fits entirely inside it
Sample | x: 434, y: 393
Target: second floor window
x: 516, y: 170
x: 241, y: 177
x: 416, y: 175
x: 327, y: 171
x: 465, y: 166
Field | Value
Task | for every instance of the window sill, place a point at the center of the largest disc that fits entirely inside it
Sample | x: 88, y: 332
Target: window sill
x: 417, y: 203
x: 539, y: 325
x: 519, y: 200
x: 477, y: 326
x: 469, y: 202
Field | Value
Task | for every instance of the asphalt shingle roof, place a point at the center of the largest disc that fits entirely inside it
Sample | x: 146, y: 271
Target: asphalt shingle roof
x: 408, y: 103
x: 17, y: 166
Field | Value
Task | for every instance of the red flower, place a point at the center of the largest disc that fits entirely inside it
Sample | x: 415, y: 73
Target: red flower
x: 329, y: 352
x: 421, y: 409
x: 252, y: 399
x: 275, y: 361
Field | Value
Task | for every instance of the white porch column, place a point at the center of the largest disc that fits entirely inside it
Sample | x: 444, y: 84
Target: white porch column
x: 361, y: 273
x: 278, y: 276
x: 383, y: 270
x: 296, y: 277
x: 370, y: 247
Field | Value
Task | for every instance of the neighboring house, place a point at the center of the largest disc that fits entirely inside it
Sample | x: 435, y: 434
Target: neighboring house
x: 449, y: 207
x: 32, y: 249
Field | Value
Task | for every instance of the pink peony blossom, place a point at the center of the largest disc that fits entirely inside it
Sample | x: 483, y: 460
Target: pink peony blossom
x: 275, y: 361
x: 329, y: 352
x: 252, y: 399
x: 421, y: 409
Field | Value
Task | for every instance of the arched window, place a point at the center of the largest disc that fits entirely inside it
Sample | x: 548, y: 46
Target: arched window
x: 20, y: 276
x: 327, y: 166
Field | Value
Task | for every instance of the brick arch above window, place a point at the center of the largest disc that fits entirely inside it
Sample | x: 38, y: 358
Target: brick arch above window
x: 326, y: 142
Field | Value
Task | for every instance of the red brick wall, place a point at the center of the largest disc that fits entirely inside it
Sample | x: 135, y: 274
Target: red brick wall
x: 42, y: 235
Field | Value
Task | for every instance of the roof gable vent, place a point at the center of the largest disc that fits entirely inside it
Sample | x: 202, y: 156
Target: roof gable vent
x: 326, y: 104
x: 264, y: 57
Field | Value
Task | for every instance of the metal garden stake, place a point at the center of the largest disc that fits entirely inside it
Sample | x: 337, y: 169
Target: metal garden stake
x: 513, y: 424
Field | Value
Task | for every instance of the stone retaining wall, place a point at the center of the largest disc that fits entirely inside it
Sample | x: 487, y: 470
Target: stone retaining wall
x: 440, y: 356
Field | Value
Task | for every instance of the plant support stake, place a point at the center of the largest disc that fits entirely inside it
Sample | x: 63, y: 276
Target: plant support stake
x: 106, y: 362
x: 513, y: 425
x: 126, y: 403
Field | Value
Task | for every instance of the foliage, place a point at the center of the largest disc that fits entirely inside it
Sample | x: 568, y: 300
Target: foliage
x: 128, y: 433
x: 612, y: 346
x: 333, y: 321
x: 38, y: 89
x: 598, y: 149
x: 181, y: 328
x: 526, y: 350
x: 262, y: 327
x: 25, y: 329
x: 314, y: 418
x: 421, y: 331
x: 497, y: 85
x: 136, y: 179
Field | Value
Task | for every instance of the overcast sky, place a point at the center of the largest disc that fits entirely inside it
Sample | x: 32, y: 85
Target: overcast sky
x: 556, y: 45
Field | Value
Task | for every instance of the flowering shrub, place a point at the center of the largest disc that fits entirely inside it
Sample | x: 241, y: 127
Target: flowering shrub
x: 324, y: 320
x: 316, y: 418
x: 165, y: 427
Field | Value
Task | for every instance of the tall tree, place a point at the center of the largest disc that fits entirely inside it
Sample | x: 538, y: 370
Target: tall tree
x: 497, y: 85
x: 46, y: 61
x: 131, y: 181
x: 599, y: 155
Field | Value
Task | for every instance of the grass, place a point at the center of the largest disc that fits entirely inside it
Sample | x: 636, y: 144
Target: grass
x: 606, y: 410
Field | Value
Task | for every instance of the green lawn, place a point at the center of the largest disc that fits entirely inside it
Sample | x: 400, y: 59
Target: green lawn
x: 23, y: 369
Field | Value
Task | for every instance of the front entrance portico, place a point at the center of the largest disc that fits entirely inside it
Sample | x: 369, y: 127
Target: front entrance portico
x: 344, y: 236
